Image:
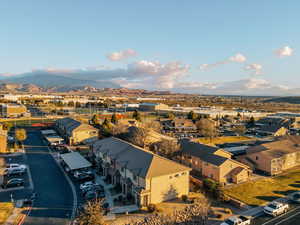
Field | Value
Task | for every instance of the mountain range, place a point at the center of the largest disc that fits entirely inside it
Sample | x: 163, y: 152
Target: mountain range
x: 41, y: 81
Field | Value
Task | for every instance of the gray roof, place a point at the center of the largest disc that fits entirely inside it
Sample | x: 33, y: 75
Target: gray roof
x: 75, y: 161
x: 203, y: 152
x: 71, y: 124
x: 139, y: 161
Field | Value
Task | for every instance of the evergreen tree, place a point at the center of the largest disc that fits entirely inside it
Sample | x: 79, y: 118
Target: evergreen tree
x: 114, y: 119
x: 136, y: 115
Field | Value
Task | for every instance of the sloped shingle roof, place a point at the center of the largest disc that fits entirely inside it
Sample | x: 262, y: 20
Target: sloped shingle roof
x: 139, y: 161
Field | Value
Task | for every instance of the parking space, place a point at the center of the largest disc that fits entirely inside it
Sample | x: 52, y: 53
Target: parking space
x: 26, y: 176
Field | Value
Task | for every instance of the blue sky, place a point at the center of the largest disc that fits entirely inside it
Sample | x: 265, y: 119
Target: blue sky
x: 70, y: 34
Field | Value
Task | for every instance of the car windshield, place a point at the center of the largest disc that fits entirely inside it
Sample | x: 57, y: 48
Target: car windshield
x: 272, y: 206
x: 229, y: 222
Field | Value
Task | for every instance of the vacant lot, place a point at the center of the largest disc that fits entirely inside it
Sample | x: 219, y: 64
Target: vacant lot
x: 6, y: 209
x: 222, y: 140
x: 267, y: 189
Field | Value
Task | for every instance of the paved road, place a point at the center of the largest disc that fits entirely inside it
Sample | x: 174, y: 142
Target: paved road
x: 54, y: 201
x: 292, y: 217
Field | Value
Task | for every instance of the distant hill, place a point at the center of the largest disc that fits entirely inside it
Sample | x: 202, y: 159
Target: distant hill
x: 47, y: 81
x: 291, y: 100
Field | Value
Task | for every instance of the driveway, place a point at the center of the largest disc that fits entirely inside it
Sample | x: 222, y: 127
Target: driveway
x: 54, y: 201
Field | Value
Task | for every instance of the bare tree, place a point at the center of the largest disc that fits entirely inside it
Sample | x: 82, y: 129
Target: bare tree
x: 240, y: 130
x: 20, y: 135
x: 139, y: 136
x: 194, y: 214
x: 207, y: 128
x: 119, y: 129
x: 166, y: 147
x: 92, y: 213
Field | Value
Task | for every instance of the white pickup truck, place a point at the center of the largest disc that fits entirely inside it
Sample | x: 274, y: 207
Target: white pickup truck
x: 276, y: 208
x: 237, y: 220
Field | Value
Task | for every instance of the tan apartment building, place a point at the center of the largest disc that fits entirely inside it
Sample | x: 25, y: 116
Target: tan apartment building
x: 212, y: 162
x: 12, y: 110
x: 74, y: 131
x: 274, y: 157
x: 142, y: 175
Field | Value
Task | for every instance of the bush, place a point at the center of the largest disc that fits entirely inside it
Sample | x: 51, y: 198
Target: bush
x: 228, y: 211
x: 184, y: 198
x: 210, y: 185
x: 151, y: 208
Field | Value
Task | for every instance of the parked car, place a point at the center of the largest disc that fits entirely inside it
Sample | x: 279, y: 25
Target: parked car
x: 237, y: 220
x: 14, y: 182
x: 15, y: 166
x: 295, y: 197
x: 90, y: 195
x: 83, y: 176
x: 15, y: 171
x: 86, y: 185
x: 276, y: 208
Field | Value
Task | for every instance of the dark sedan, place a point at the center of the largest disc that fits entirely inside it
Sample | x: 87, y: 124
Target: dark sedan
x: 15, y: 182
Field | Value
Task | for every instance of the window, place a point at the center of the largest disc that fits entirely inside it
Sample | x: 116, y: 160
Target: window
x: 122, y: 169
x: 134, y: 177
x: 170, y: 177
x: 256, y: 157
x: 183, y: 173
x: 177, y: 175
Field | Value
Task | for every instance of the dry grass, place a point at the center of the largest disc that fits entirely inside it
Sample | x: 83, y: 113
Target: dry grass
x: 6, y: 209
x: 261, y: 191
x: 222, y: 140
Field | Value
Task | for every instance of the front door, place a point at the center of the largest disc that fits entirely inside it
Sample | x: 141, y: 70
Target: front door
x: 145, y: 200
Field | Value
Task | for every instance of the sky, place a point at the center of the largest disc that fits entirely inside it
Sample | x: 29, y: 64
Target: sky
x: 160, y: 44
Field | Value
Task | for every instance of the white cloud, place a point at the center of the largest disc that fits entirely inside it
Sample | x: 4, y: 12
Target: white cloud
x: 255, y: 68
x: 284, y: 51
x: 121, y: 55
x: 162, y: 75
x: 237, y: 58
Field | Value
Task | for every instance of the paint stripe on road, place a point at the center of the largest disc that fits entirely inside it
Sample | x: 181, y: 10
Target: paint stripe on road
x: 276, y: 218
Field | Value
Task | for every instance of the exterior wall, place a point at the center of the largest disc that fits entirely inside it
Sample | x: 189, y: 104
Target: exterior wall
x: 241, y: 177
x: 211, y: 171
x: 168, y: 187
x: 12, y: 110
x: 3, y: 143
x: 262, y: 162
x: 281, y: 132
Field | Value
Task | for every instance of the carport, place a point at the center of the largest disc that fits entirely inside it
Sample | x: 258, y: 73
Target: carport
x: 74, y: 161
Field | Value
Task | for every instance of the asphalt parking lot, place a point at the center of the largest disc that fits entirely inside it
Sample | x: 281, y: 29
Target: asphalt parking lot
x: 20, y: 159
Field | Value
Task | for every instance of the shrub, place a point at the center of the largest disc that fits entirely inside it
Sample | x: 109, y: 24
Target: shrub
x: 184, y: 198
x: 151, y: 208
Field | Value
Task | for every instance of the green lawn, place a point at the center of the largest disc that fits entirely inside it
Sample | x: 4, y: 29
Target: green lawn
x: 267, y: 189
x: 6, y: 209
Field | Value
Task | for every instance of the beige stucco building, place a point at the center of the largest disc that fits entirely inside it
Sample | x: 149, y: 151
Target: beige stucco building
x: 74, y: 131
x: 141, y: 175
x: 211, y: 162
x: 274, y: 157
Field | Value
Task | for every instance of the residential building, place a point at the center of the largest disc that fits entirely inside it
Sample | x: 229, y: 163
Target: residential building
x: 273, y: 157
x: 212, y: 162
x: 178, y: 125
x: 75, y: 132
x: 273, y: 126
x: 13, y: 110
x: 140, y: 174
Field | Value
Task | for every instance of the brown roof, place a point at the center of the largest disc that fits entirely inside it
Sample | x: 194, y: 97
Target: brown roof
x: 277, y: 148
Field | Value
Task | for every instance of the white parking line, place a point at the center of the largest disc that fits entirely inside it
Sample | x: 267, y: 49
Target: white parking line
x: 275, y: 218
